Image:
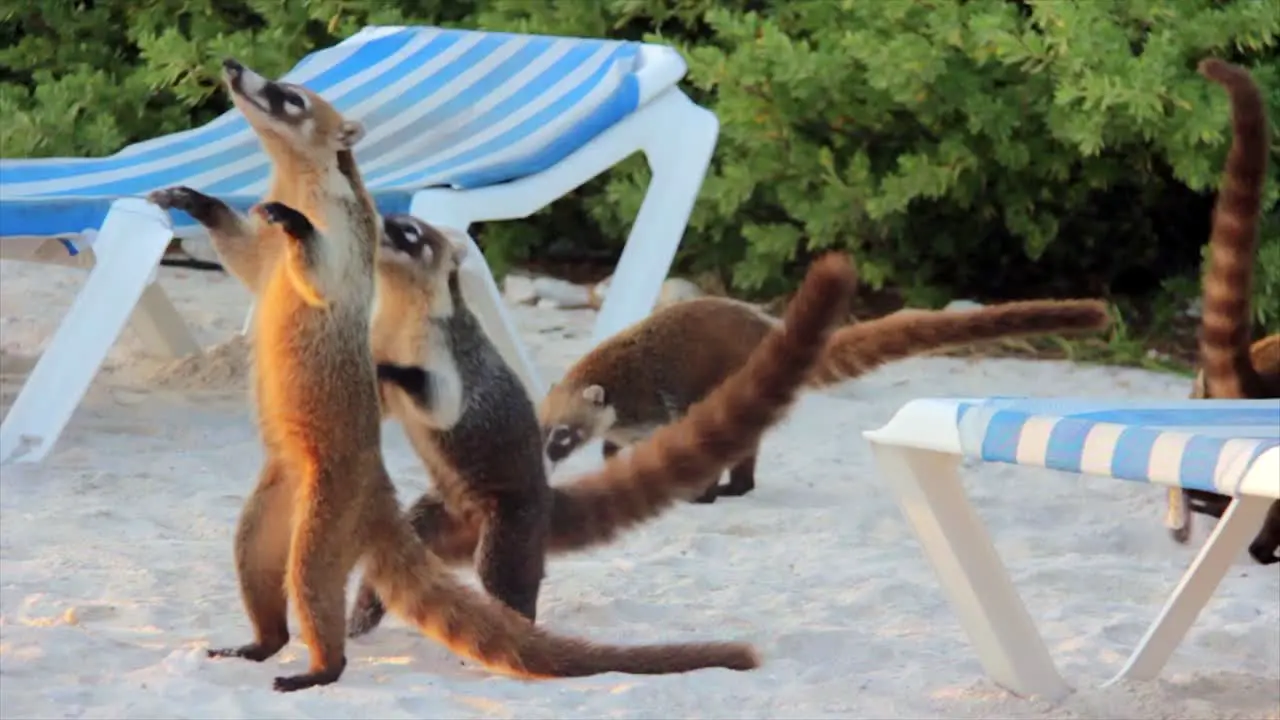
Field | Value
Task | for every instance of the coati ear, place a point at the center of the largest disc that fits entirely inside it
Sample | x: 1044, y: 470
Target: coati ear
x: 350, y: 132
x: 594, y: 394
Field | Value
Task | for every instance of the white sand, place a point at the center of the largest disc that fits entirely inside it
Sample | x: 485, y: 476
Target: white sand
x: 116, y: 563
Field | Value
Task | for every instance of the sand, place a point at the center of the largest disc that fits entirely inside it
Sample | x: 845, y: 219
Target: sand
x: 116, y: 574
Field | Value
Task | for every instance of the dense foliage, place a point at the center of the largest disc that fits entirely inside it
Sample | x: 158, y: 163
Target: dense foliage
x: 990, y: 148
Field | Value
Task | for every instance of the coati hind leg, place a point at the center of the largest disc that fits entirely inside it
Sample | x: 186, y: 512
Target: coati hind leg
x: 232, y: 235
x: 440, y: 530
x: 262, y: 555
x: 742, y: 478
x: 1265, y: 547
x: 322, y: 555
x: 710, y: 494
x: 511, y: 558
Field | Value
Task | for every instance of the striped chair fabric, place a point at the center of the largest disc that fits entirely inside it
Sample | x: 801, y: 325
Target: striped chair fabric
x: 441, y: 108
x: 1200, y: 445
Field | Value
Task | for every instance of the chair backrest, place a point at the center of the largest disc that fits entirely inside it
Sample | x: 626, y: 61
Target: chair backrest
x: 440, y: 107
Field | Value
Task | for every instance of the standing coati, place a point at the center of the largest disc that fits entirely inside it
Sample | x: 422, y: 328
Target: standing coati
x: 1230, y: 367
x: 324, y: 501
x: 648, y: 374
x: 461, y: 401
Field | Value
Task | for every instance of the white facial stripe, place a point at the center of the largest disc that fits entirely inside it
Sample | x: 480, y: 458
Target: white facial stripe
x: 251, y: 83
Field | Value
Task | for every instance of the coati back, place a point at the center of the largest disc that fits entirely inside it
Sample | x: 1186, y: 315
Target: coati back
x: 324, y: 501
x: 647, y: 375
x: 714, y: 433
x: 1229, y: 366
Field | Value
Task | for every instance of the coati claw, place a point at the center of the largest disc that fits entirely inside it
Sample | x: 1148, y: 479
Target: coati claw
x: 293, y: 222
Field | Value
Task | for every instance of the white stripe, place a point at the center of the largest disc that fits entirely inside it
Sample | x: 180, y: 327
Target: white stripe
x: 1099, y: 449
x: 1164, y: 464
x: 1033, y: 440
x: 552, y: 129
x: 435, y: 138
x: 551, y: 95
x: 193, y: 157
x: 1233, y: 461
x: 260, y: 160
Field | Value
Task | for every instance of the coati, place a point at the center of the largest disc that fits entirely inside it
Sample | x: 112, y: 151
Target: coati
x: 458, y: 403
x: 648, y: 374
x: 471, y: 478
x: 1230, y: 366
x: 324, y: 501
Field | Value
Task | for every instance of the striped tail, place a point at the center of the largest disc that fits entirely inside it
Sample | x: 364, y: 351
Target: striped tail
x: 858, y: 349
x: 416, y: 585
x: 1226, y: 326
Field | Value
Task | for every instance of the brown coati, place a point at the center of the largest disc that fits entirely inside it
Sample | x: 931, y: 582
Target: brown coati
x: 648, y: 374
x: 1232, y: 368
x: 460, y: 401
x: 324, y: 501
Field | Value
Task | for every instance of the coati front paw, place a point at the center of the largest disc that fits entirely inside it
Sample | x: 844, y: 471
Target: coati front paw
x: 1265, y: 552
x: 294, y: 223
x: 257, y: 652
x: 193, y: 202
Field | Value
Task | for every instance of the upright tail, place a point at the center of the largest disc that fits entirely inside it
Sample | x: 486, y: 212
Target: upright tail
x: 415, y: 584
x: 858, y: 349
x: 1226, y: 324
x: 680, y: 458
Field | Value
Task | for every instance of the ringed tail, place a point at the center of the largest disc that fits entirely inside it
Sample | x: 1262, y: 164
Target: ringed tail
x: 1226, y: 324
x: 858, y: 349
x: 415, y: 584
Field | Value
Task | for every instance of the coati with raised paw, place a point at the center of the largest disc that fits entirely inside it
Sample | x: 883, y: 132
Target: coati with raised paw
x: 324, y: 501
x: 460, y: 402
x: 648, y: 374
x: 1232, y: 368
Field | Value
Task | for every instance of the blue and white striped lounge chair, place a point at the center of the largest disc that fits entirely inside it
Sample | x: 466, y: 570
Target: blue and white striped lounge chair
x: 462, y: 127
x: 1227, y: 446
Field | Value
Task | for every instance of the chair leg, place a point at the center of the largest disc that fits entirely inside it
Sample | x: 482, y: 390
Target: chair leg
x: 483, y: 296
x: 928, y: 489
x: 162, y: 330
x: 127, y: 251
x: 679, y: 163
x: 1231, y: 534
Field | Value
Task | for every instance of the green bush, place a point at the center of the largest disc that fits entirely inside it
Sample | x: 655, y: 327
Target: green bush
x: 989, y: 148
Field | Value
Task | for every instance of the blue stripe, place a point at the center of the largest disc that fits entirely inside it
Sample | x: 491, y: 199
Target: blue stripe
x: 1132, y: 455
x: 366, y: 56
x: 476, y: 92
x: 1199, y: 461
x: 73, y: 210
x: 529, y: 92
x: 622, y: 103
x: 1000, y: 444
x: 524, y: 129
x: 1066, y: 445
x: 251, y: 148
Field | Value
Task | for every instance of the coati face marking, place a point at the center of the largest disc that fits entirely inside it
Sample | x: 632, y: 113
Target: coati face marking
x: 287, y: 111
x: 419, y: 259
x: 572, y: 419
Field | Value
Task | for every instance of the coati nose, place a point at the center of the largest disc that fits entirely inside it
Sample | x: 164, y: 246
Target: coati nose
x: 232, y: 67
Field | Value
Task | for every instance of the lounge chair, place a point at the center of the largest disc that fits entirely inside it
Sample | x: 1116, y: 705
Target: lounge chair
x: 1227, y: 446
x: 462, y: 127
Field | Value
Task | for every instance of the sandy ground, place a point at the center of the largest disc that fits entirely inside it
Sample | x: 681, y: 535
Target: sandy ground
x: 116, y: 561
